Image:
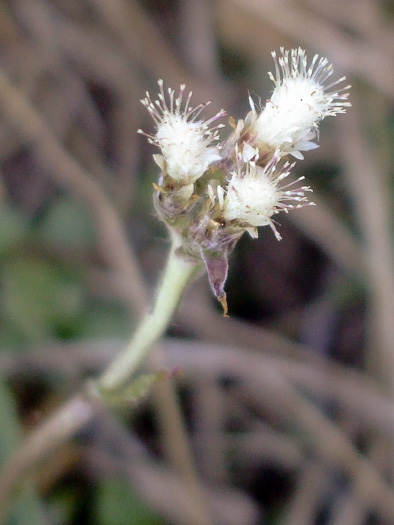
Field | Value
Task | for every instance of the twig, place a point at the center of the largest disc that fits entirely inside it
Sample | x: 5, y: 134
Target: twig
x: 69, y: 174
x: 323, y: 380
x: 45, y: 439
x: 267, y: 386
x: 197, y: 37
x: 312, y: 486
x: 371, y: 195
x: 353, y: 55
x: 166, y: 492
x: 271, y: 382
x: 322, y: 226
x: 147, y: 47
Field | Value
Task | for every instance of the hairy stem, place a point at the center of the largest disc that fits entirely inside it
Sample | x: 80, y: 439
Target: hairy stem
x: 177, y: 274
x: 80, y: 409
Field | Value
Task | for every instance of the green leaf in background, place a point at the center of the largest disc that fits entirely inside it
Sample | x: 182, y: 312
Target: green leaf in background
x: 12, y: 228
x: 103, y: 320
x: 27, y: 509
x: 117, y: 504
x: 37, y: 295
x: 67, y: 224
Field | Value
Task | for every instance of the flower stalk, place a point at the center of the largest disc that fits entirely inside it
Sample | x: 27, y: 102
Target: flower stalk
x: 177, y: 274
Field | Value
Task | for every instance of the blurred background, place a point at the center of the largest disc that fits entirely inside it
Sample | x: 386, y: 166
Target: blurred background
x: 289, y: 404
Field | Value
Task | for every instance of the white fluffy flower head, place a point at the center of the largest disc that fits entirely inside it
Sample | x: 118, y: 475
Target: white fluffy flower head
x: 209, y: 193
x: 185, y: 141
x: 300, y: 100
x: 255, y: 194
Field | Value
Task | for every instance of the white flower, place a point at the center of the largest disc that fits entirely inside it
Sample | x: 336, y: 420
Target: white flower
x: 185, y: 141
x: 300, y: 100
x: 255, y: 194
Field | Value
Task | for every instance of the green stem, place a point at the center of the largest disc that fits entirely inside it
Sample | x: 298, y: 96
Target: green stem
x: 81, y: 409
x: 177, y: 274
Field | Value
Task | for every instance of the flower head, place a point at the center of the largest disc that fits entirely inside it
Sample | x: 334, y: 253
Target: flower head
x: 255, y: 194
x: 185, y: 141
x: 300, y: 100
x: 241, y: 180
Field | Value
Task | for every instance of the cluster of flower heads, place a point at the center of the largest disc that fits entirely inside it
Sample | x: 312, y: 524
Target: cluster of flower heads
x: 211, y: 192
